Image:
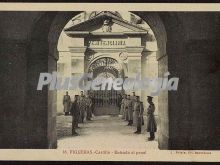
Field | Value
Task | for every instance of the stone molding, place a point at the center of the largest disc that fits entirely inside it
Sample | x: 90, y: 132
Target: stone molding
x: 78, y: 49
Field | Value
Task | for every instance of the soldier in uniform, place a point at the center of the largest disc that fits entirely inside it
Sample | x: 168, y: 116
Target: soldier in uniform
x: 138, y: 113
x: 133, y: 98
x: 75, y: 114
x: 151, y: 122
x: 93, y: 103
x: 66, y: 103
x: 88, y: 108
x: 81, y: 93
x: 129, y: 105
x: 82, y: 107
x: 119, y: 101
x: 122, y: 109
x: 126, y: 107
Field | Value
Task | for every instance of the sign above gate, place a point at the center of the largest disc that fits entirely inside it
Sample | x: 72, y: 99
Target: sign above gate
x: 104, y: 43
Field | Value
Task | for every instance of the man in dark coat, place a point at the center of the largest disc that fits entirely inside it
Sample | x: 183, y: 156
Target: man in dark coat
x: 122, y: 109
x: 119, y: 100
x: 133, y: 98
x: 66, y: 103
x: 138, y: 114
x: 93, y: 103
x: 75, y: 114
x: 126, y: 107
x: 151, y: 122
x: 129, y: 106
x: 82, y: 108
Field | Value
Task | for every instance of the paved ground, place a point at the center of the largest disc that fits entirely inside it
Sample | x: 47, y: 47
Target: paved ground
x: 105, y: 110
x: 102, y: 132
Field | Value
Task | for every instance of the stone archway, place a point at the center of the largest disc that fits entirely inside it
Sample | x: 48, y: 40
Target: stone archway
x: 47, y: 34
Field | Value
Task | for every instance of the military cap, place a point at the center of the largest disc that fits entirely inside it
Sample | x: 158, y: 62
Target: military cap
x: 150, y: 97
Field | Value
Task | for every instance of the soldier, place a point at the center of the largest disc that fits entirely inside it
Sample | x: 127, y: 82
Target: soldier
x: 122, y: 109
x: 133, y: 98
x: 151, y: 122
x: 75, y: 114
x: 93, y: 103
x: 119, y: 101
x: 66, y: 103
x: 81, y: 93
x: 82, y: 107
x: 88, y: 108
x: 138, y: 111
x: 129, y: 105
x: 126, y: 108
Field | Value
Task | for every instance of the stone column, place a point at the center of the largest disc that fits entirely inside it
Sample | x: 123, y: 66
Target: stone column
x: 64, y: 70
x: 134, y: 50
x: 77, y: 64
x: 134, y: 64
x: 163, y: 112
x: 73, y: 60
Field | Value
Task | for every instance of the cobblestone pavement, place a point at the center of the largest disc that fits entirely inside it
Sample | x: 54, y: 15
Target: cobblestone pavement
x: 102, y: 132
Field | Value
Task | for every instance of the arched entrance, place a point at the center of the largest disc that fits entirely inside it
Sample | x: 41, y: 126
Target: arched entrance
x: 106, y: 101
x: 53, y: 24
x: 132, y: 45
x: 109, y: 46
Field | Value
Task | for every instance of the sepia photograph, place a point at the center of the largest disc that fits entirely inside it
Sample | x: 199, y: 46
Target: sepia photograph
x: 105, y: 84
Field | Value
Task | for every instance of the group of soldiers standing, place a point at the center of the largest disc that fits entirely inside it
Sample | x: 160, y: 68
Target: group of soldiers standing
x: 80, y: 109
x: 132, y: 110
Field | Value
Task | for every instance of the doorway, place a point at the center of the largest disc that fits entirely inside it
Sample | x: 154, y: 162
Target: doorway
x: 106, y: 102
